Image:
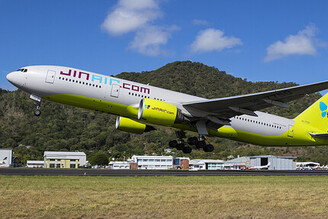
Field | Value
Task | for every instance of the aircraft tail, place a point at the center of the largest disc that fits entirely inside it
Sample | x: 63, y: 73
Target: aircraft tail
x: 316, y: 115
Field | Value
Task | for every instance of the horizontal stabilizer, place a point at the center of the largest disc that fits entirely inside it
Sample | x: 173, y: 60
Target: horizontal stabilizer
x: 319, y: 135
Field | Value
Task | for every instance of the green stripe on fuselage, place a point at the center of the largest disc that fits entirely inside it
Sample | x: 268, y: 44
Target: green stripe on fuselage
x: 300, y: 137
x: 94, y: 104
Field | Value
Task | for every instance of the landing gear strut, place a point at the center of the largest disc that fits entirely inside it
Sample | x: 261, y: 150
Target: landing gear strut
x: 37, y: 111
x: 192, y: 141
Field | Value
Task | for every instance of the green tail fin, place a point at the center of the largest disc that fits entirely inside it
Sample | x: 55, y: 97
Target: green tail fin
x: 316, y: 115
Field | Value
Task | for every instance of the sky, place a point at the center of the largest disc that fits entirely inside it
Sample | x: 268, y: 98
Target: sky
x: 272, y: 40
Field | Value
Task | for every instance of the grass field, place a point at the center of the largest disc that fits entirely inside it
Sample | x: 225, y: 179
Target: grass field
x: 164, y: 197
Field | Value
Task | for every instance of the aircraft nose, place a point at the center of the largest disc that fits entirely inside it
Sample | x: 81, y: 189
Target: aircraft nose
x: 16, y: 79
x: 10, y: 77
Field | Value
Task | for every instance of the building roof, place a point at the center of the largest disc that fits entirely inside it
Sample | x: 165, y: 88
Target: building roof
x: 237, y: 160
x: 62, y: 153
x: 119, y: 162
x: 264, y: 156
x: 35, y: 162
x: 5, y: 149
x: 186, y: 158
x: 247, y: 158
x: 199, y: 161
x: 152, y: 157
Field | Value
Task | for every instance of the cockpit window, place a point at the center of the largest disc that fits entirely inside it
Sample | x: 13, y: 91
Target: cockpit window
x: 22, y: 70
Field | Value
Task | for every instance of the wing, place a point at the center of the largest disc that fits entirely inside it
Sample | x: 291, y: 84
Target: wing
x: 228, y: 107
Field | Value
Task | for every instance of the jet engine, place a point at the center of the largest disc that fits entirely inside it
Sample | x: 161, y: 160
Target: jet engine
x: 129, y: 125
x: 158, y: 112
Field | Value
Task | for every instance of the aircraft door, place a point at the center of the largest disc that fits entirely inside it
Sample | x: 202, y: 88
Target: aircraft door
x: 115, y: 90
x: 290, y: 131
x: 50, y: 78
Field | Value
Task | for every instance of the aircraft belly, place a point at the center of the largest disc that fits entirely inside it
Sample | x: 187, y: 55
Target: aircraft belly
x: 94, y: 104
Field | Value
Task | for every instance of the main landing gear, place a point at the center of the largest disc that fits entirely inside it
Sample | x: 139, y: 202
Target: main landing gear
x: 198, y: 143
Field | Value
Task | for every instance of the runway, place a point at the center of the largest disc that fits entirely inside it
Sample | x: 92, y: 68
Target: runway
x: 132, y: 173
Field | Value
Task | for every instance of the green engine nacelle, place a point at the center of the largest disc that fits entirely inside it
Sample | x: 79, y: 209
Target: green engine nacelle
x: 159, y: 112
x: 129, y: 125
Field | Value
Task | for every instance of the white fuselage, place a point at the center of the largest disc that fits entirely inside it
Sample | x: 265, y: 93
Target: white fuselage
x: 74, y: 81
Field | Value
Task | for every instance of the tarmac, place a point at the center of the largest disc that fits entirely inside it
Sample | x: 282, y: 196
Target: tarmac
x: 133, y: 173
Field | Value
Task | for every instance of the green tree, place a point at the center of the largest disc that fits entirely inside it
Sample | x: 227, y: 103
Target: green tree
x: 99, y: 158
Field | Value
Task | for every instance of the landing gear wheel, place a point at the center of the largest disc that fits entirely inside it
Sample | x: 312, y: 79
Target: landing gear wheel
x: 180, y: 146
x: 208, y: 148
x: 187, y: 150
x: 192, y: 140
x: 37, y: 112
x: 200, y: 144
x: 173, y: 144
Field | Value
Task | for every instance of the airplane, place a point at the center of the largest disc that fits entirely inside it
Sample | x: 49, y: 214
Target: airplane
x: 141, y: 108
x: 3, y: 161
x: 265, y: 167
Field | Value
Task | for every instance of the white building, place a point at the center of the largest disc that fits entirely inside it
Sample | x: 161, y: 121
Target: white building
x: 273, y: 162
x: 6, y: 157
x: 119, y: 165
x: 60, y: 159
x: 206, y: 164
x: 153, y: 162
x: 35, y: 164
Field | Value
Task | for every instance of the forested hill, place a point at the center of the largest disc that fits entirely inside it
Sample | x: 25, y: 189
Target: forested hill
x: 198, y: 79
x: 3, y: 91
x: 201, y: 80
x: 68, y: 128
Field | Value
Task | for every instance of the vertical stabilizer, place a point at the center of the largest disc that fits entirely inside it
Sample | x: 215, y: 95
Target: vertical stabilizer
x: 316, y: 115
